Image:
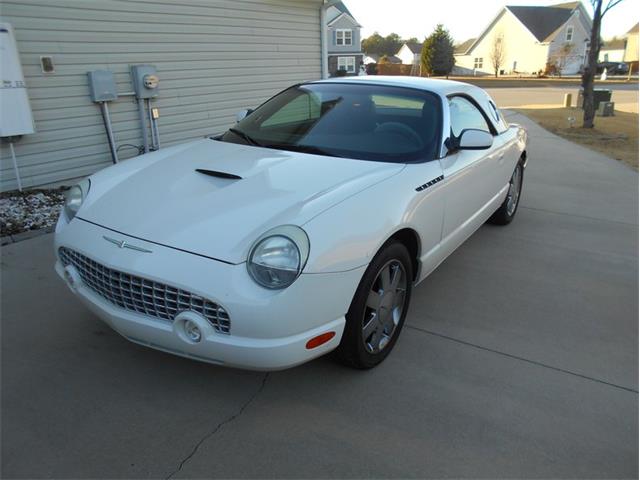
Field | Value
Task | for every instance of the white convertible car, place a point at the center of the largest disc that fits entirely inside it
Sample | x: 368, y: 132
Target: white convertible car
x: 300, y: 230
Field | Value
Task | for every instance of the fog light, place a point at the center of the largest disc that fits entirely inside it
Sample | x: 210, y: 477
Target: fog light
x: 192, y: 331
x: 72, y: 277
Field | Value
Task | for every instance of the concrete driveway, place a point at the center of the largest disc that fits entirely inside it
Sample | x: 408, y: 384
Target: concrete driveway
x: 519, y: 359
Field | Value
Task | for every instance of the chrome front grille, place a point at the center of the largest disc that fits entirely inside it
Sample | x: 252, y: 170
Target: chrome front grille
x: 141, y: 295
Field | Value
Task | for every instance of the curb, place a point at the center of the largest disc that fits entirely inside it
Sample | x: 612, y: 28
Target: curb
x: 19, y: 237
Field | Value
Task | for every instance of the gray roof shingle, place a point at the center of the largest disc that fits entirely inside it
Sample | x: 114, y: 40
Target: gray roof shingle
x: 464, y: 46
x: 343, y: 8
x: 542, y: 21
x: 414, y: 47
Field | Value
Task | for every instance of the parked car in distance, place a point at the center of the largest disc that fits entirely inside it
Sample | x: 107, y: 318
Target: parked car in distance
x: 613, y: 68
x: 301, y: 230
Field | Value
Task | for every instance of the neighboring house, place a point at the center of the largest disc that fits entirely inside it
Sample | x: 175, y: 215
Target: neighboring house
x: 612, y: 50
x: 212, y: 58
x: 459, y: 50
x: 372, y: 58
x: 410, y: 53
x: 631, y: 48
x: 529, y: 38
x: 343, y: 40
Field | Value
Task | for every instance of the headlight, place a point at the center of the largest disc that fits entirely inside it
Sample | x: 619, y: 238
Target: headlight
x: 74, y: 197
x: 278, y: 257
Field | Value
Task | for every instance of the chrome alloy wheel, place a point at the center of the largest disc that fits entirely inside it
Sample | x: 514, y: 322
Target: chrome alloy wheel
x: 384, y: 307
x: 515, y: 185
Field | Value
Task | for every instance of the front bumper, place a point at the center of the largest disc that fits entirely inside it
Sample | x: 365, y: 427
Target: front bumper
x: 269, y: 329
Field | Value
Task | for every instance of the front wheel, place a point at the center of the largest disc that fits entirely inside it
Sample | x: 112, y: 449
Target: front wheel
x: 509, y: 207
x: 378, y: 309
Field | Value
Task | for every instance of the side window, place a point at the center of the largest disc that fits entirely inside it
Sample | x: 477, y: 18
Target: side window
x: 465, y: 114
x: 501, y: 124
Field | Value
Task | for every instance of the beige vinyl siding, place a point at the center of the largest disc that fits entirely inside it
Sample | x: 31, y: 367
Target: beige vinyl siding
x: 214, y: 57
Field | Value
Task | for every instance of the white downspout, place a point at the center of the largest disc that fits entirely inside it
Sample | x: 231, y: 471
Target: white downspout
x: 324, y: 51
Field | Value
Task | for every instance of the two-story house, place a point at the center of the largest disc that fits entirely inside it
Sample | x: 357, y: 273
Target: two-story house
x: 343, y: 40
x: 522, y: 39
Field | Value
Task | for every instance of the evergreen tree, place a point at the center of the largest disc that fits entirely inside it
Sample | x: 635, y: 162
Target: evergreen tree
x: 437, y: 53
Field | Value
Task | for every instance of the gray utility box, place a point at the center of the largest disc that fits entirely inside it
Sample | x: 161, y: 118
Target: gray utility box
x: 599, y: 95
x: 145, y: 81
x: 605, y: 109
x: 102, y: 86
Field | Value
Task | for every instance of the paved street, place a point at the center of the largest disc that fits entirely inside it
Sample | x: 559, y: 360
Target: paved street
x: 519, y: 359
x: 624, y: 96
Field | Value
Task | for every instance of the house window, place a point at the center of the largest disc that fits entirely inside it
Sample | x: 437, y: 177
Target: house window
x: 477, y: 62
x: 344, y: 37
x: 569, y: 35
x: 606, y: 57
x: 347, y: 63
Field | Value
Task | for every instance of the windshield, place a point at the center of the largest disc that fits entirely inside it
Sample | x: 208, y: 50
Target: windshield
x: 369, y: 122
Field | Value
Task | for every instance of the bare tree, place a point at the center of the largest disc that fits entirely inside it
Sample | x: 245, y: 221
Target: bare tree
x: 592, y: 60
x: 565, y: 55
x: 497, y: 54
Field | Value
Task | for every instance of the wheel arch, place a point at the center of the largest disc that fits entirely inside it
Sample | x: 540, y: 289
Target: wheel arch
x: 411, y: 240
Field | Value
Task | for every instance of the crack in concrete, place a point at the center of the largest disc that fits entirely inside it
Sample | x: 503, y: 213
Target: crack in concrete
x: 577, y: 215
x: 522, y: 359
x: 219, y: 426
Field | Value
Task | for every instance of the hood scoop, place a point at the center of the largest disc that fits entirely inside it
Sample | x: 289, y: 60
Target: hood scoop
x: 215, y: 173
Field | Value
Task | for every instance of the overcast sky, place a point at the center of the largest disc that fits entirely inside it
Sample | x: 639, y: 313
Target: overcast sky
x: 463, y: 18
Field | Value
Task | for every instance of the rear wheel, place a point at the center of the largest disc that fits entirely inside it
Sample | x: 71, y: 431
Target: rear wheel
x: 378, y: 309
x: 504, y: 215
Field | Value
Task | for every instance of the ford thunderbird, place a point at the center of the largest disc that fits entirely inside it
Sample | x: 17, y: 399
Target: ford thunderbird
x: 301, y: 230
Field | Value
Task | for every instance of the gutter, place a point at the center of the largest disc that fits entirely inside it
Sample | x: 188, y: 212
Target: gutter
x: 324, y: 53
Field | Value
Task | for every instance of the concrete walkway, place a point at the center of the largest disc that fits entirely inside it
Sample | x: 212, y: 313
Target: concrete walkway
x: 519, y: 359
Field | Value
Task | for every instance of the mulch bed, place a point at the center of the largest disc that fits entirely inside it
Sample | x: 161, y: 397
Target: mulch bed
x: 29, y: 210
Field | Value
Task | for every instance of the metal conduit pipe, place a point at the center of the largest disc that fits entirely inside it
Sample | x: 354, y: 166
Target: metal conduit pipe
x: 152, y: 125
x: 143, y: 125
x: 106, y: 118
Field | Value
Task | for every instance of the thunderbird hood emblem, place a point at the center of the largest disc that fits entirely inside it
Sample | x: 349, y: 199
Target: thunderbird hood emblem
x: 123, y: 244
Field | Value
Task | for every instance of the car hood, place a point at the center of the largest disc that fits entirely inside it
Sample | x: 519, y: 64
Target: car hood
x: 161, y: 197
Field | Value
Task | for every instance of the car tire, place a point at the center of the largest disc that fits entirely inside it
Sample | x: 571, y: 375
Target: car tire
x: 504, y: 215
x: 378, y: 309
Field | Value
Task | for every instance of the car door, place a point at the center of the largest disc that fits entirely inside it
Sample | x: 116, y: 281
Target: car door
x: 469, y: 175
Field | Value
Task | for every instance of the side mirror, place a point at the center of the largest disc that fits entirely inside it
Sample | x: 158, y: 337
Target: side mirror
x: 242, y: 114
x: 473, y: 139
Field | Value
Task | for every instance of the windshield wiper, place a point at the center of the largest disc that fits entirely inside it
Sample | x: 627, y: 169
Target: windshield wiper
x: 245, y: 137
x: 304, y: 149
